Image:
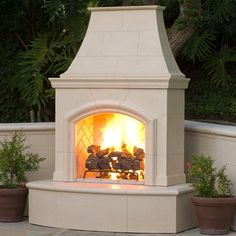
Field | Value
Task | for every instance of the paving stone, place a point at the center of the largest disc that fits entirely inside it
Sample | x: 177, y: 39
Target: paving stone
x: 25, y: 229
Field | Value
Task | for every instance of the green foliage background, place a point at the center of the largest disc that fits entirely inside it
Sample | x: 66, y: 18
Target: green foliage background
x: 39, y: 39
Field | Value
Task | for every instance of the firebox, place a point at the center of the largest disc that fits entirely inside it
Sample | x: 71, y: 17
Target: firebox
x: 110, y: 146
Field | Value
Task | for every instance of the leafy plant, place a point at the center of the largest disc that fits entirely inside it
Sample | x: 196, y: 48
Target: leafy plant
x: 34, y: 47
x: 33, y: 72
x: 200, y: 46
x: 212, y: 46
x: 204, y: 101
x: 15, y: 161
x: 207, y: 180
x: 220, y: 10
x: 218, y: 66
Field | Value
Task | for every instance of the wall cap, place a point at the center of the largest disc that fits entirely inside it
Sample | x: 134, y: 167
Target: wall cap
x: 209, y: 128
x: 190, y: 126
x: 37, y: 126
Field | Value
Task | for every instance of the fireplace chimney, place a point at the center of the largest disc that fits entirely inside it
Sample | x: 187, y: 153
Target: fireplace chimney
x: 125, y: 42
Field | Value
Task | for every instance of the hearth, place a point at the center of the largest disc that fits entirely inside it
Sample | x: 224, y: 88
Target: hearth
x: 119, y: 131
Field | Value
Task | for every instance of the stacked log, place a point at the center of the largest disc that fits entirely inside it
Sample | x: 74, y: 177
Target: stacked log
x: 97, y: 158
x: 109, y: 159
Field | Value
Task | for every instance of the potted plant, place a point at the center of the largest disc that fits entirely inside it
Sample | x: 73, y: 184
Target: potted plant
x: 15, y: 161
x: 214, y: 202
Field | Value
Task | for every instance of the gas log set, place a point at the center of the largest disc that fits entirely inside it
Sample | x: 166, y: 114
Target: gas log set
x: 113, y: 164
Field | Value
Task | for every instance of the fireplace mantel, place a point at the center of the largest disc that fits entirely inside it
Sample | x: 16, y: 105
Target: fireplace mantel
x: 122, y: 82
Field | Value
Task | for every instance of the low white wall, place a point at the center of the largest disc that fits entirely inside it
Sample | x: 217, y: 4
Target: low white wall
x: 217, y: 141
x: 41, y: 137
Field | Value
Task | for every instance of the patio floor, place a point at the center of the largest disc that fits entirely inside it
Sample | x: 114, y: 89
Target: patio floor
x: 26, y: 229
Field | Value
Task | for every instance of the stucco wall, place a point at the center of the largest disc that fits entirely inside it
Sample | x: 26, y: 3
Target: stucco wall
x: 217, y: 141
x: 41, y: 137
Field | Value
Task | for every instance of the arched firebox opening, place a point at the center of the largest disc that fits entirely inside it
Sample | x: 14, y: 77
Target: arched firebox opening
x: 110, y: 146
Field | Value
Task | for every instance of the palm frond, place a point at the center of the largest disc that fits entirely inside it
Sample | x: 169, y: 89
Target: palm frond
x: 228, y: 31
x: 34, y: 65
x: 76, y: 28
x: 217, y: 66
x: 54, y: 9
x: 63, y: 60
x: 200, y: 46
x: 221, y: 10
x: 33, y: 90
x: 39, y: 54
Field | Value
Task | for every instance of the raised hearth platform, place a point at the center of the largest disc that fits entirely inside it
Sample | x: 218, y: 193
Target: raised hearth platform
x: 111, y: 207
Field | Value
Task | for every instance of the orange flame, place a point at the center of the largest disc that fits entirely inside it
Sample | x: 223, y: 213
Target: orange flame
x: 123, y: 129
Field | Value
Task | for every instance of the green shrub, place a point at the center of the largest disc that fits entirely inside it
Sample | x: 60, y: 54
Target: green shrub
x: 15, y: 161
x: 207, y: 180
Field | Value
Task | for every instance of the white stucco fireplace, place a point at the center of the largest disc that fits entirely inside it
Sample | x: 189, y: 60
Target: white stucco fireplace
x: 124, y: 71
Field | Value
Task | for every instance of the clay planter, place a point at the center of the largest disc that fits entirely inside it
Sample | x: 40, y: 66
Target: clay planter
x: 12, y: 204
x: 214, y: 215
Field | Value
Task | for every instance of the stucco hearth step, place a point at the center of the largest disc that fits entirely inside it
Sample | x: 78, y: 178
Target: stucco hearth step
x: 111, y: 207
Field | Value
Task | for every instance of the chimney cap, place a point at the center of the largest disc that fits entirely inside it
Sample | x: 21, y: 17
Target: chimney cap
x: 127, y: 8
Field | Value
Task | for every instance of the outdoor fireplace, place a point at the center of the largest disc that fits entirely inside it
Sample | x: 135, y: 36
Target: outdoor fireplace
x: 125, y: 67
x: 119, y: 131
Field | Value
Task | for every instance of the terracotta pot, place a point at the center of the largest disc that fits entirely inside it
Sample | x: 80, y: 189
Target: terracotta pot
x: 214, y: 215
x: 12, y: 204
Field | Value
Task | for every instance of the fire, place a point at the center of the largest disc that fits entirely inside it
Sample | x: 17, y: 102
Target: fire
x: 122, y: 129
x: 114, y: 176
x: 110, y: 146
